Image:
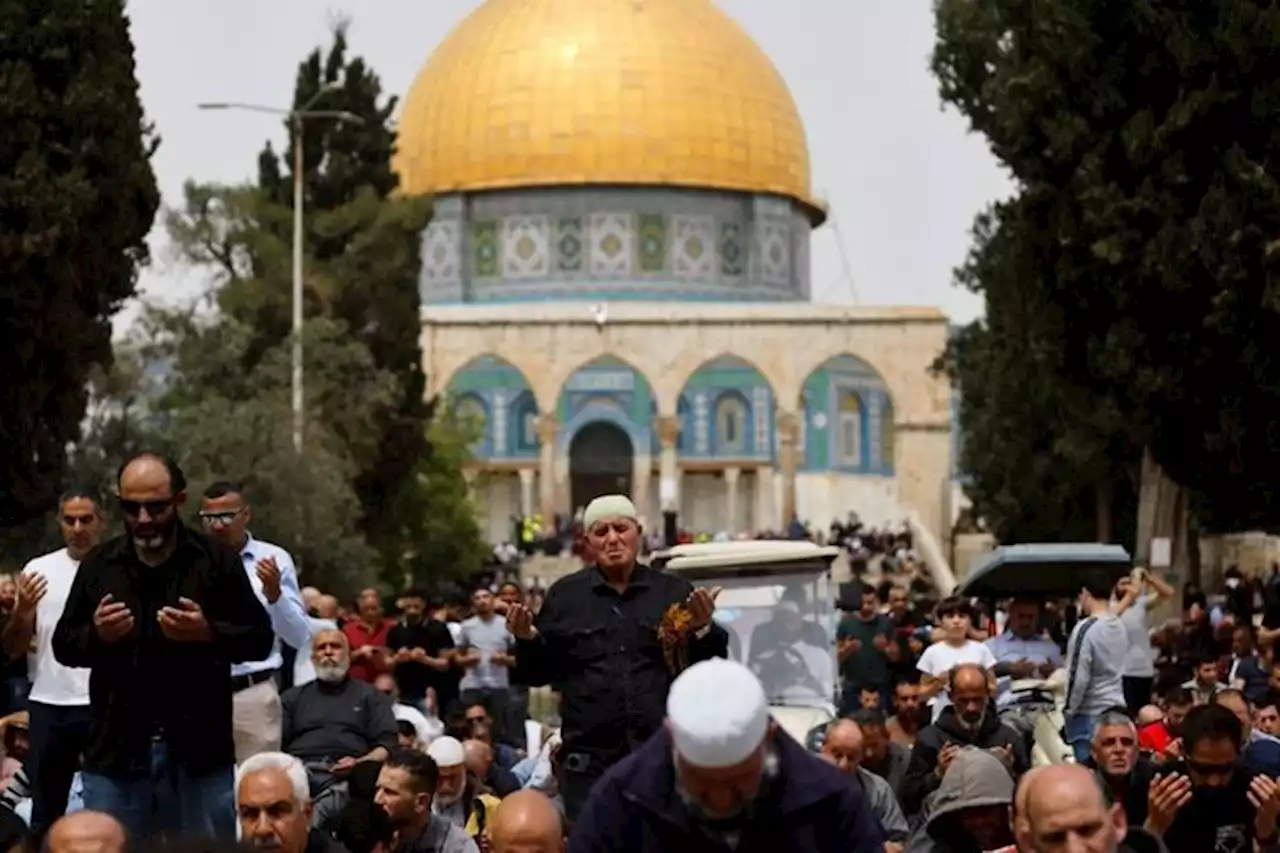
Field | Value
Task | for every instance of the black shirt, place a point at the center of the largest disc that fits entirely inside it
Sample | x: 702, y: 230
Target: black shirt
x: 600, y: 649
x: 413, y: 678
x: 145, y: 684
x: 1216, y: 820
x: 325, y: 722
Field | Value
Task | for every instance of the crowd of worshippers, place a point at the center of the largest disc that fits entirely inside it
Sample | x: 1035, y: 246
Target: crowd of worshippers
x: 155, y: 710
x: 1178, y: 722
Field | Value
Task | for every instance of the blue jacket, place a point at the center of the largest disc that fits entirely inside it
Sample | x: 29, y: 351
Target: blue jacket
x: 635, y: 808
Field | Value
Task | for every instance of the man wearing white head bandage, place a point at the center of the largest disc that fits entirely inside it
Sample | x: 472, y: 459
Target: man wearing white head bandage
x: 720, y: 771
x: 612, y: 636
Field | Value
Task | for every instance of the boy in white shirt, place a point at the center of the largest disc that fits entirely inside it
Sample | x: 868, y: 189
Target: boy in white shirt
x: 955, y: 616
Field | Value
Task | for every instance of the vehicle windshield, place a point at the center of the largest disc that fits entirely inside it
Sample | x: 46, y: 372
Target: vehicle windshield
x: 783, y: 628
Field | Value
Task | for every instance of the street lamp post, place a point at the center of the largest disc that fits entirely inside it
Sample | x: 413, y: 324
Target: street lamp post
x: 296, y: 119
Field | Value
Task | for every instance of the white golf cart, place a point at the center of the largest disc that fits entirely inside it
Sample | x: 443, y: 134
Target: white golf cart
x: 778, y: 605
x: 1041, y: 570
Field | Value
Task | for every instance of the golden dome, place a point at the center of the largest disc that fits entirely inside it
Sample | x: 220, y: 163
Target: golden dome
x: 563, y: 92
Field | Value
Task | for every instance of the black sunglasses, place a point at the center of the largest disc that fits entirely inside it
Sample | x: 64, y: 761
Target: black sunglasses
x: 134, y: 508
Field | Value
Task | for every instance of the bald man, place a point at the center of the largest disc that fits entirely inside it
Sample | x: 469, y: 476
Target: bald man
x: 1061, y: 807
x: 843, y: 747
x: 527, y: 822
x: 160, y: 614
x: 970, y: 720
x: 86, y: 832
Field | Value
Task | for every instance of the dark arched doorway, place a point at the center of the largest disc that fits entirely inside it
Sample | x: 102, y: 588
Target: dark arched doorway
x: 600, y: 461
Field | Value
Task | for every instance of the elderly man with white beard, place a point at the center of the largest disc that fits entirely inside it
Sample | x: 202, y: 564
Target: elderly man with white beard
x: 335, y: 723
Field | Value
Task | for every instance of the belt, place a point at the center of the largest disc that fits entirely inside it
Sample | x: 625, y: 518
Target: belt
x: 244, y: 682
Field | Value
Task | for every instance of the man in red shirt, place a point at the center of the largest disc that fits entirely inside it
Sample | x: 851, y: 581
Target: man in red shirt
x: 367, y: 635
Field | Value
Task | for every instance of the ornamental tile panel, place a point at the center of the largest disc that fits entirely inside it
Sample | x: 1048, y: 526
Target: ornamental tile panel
x: 775, y: 253
x: 732, y: 255
x: 484, y: 249
x: 701, y: 423
x: 653, y: 242
x: 440, y: 255
x: 613, y: 246
x: 526, y: 247
x: 762, y: 412
x: 693, y: 251
x: 569, y: 245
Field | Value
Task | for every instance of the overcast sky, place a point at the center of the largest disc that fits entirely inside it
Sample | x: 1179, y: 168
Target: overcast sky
x: 903, y: 177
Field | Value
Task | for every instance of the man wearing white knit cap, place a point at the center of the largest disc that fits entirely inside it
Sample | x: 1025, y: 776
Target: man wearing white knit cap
x: 721, y: 772
x: 612, y: 636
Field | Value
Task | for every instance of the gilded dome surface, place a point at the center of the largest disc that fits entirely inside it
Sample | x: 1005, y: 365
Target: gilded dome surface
x: 527, y: 93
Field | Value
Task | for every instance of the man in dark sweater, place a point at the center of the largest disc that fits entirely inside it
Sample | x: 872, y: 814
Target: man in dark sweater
x: 970, y: 721
x: 334, y: 723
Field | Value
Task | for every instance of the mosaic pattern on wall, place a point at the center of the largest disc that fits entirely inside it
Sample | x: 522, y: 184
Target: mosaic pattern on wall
x: 607, y: 388
x: 848, y: 417
x: 612, y: 244
x: 693, y: 252
x: 732, y: 254
x: 569, y: 245
x: 494, y: 394
x: 653, y: 244
x: 775, y: 252
x: 484, y: 245
x: 526, y: 247
x: 732, y: 410
x: 441, y: 258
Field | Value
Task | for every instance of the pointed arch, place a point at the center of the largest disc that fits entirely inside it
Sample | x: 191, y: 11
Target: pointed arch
x: 848, y: 412
x: 731, y: 405
x: 506, y: 396
x: 607, y: 384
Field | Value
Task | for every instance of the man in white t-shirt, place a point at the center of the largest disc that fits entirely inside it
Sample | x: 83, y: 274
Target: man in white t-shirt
x: 955, y: 617
x: 59, y: 697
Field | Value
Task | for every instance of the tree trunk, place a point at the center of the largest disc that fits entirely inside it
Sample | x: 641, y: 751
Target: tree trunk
x: 1162, y: 514
x: 1104, y: 509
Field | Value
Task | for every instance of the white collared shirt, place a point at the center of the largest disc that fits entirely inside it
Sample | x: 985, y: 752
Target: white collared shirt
x: 288, y: 615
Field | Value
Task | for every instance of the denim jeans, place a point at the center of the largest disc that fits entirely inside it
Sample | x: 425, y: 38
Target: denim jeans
x: 59, y: 734
x: 1079, y: 734
x: 167, y: 800
x: 15, y: 694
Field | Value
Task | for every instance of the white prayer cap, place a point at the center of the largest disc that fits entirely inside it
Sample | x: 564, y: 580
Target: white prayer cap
x: 608, y: 506
x: 717, y: 713
x: 446, y: 752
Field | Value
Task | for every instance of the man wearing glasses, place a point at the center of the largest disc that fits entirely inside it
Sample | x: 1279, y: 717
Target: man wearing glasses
x: 160, y: 614
x: 255, y: 708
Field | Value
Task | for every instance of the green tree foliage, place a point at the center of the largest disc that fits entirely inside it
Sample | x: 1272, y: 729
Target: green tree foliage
x: 348, y: 176
x: 1142, y: 132
x: 77, y: 198
x: 1047, y: 459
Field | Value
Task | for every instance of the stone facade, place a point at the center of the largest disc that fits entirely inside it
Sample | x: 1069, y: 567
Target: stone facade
x: 737, y: 415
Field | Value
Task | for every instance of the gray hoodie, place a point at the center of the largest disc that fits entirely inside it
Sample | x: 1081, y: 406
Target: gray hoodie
x: 975, y: 778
